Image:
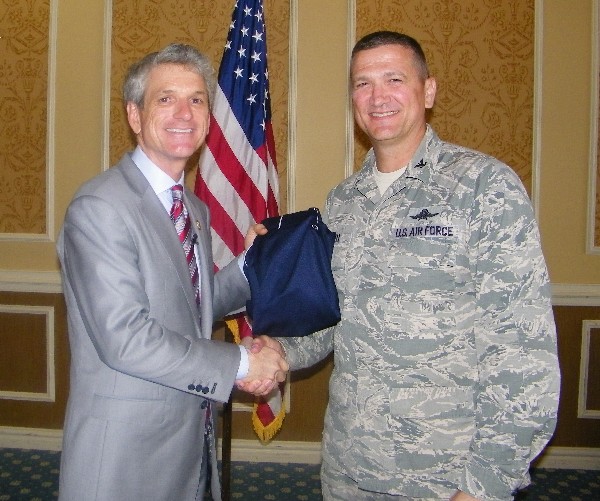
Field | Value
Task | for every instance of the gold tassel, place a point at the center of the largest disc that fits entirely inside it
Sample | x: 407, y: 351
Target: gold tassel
x: 233, y: 327
x: 266, y: 433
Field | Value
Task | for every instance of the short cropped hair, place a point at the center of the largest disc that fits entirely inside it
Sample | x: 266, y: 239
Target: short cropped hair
x: 134, y: 87
x: 381, y: 38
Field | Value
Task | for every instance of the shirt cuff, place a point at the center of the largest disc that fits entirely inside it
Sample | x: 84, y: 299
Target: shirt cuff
x: 240, y: 259
x: 244, y: 367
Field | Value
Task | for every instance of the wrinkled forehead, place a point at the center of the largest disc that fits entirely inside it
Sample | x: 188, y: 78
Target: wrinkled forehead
x: 390, y: 57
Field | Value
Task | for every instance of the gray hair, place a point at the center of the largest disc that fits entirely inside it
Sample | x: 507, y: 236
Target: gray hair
x: 380, y: 38
x: 134, y: 87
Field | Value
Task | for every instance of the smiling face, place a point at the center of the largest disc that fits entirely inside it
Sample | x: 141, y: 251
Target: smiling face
x: 173, y: 122
x: 390, y: 95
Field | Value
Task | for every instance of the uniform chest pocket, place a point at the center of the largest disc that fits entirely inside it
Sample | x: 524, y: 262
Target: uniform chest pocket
x: 413, y: 247
x: 421, y: 264
x: 422, y: 286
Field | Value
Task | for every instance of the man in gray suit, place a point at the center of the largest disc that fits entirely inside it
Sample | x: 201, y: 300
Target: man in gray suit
x: 144, y: 370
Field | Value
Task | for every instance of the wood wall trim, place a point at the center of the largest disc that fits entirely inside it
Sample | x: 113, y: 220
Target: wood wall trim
x: 30, y: 281
x: 586, y: 458
x: 50, y: 394
x: 576, y: 294
x: 569, y: 458
x: 592, y: 238
x: 30, y: 438
x: 106, y: 87
x: 292, y: 156
x: 584, y: 370
x: 50, y: 282
x: 351, y: 37
x: 538, y: 72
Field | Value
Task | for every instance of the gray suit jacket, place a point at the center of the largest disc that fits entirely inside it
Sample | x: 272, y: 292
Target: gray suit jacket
x: 142, y: 364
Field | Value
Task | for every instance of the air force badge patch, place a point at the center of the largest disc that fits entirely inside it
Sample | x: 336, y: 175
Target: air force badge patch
x: 424, y: 222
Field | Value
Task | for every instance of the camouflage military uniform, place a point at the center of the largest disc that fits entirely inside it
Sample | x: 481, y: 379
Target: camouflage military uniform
x: 446, y: 374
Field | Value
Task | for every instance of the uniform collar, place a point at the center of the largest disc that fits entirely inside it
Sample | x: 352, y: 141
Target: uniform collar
x: 418, y: 170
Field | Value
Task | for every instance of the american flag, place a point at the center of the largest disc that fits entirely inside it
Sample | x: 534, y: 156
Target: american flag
x: 237, y: 175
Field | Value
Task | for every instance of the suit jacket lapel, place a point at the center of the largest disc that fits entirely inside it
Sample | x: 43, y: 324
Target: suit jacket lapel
x: 204, y: 267
x: 158, y: 219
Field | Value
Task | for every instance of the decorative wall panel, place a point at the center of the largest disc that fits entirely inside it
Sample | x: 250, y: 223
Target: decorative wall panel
x: 24, y: 48
x: 589, y: 372
x: 143, y: 26
x: 481, y: 54
x: 34, y: 360
x: 578, y: 331
x: 27, y: 355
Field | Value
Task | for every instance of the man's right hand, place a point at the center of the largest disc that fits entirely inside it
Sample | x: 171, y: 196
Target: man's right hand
x: 268, y: 366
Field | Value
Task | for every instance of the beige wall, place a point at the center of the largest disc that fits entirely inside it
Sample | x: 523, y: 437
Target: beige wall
x: 321, y: 122
x: 320, y: 152
x: 321, y: 105
x: 80, y: 81
x: 565, y: 140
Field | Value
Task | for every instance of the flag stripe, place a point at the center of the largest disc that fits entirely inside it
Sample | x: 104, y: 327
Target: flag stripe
x: 222, y: 225
x: 214, y: 182
x: 251, y: 161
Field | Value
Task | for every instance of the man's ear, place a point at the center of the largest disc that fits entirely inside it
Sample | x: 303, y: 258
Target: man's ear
x: 430, y: 90
x: 133, y: 117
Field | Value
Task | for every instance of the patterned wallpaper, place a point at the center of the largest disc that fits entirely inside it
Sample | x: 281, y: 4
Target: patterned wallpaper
x: 24, y: 28
x: 481, y: 53
x: 143, y: 26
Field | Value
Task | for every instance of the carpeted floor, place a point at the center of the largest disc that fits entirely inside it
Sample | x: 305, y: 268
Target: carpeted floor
x: 33, y: 476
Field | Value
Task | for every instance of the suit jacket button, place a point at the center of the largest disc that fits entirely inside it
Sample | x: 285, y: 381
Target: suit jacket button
x: 199, y: 388
x: 191, y: 387
x: 205, y: 390
x: 203, y: 404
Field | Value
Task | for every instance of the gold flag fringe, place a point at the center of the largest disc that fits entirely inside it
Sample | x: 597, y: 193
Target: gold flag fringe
x: 233, y: 327
x: 264, y: 433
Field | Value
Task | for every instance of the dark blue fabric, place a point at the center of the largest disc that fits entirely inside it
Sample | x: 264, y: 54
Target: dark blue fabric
x: 289, y: 272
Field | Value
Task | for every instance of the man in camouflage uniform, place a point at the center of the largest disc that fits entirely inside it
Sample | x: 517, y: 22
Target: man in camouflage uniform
x: 446, y: 379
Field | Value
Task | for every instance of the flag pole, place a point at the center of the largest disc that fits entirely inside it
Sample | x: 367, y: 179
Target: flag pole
x: 226, y: 438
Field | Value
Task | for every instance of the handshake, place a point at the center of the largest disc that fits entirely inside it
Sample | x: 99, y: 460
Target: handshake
x: 266, y: 357
x: 268, y: 366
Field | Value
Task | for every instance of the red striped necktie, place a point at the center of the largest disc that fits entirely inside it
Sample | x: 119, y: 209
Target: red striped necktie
x: 183, y: 225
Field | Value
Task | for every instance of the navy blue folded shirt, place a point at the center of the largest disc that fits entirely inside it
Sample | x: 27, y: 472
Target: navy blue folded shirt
x: 289, y: 271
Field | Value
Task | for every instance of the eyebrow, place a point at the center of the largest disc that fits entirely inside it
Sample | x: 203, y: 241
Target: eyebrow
x: 395, y: 73
x: 387, y: 74
x: 168, y: 91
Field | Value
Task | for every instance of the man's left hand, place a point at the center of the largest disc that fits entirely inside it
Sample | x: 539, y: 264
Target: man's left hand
x: 253, y: 231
